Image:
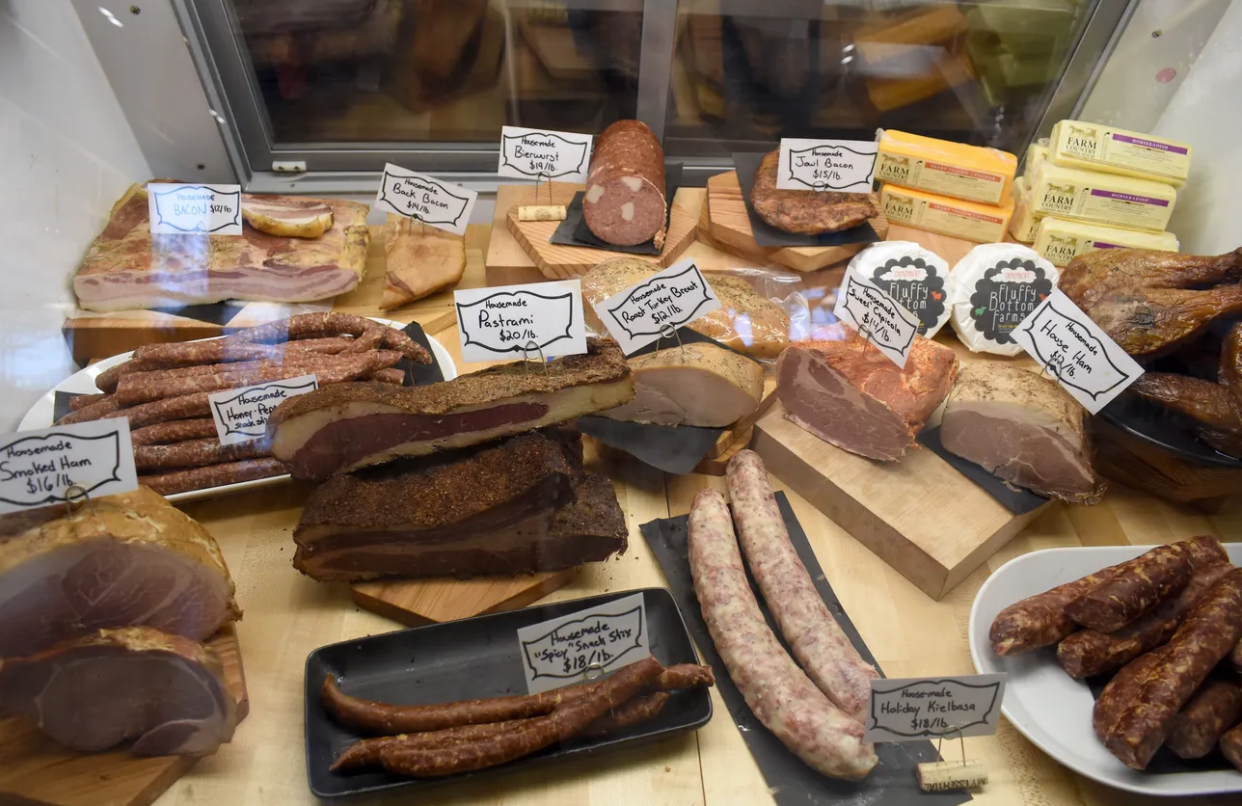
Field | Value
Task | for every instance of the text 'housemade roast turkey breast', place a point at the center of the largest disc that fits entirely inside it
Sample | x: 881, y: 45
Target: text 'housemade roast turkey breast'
x: 696, y: 384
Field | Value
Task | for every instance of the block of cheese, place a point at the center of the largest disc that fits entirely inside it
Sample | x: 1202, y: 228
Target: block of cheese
x: 1022, y: 226
x: 995, y: 287
x: 1116, y: 151
x: 1036, y: 153
x: 917, y: 278
x: 1118, y: 201
x: 1061, y: 241
x: 958, y: 218
x: 949, y: 169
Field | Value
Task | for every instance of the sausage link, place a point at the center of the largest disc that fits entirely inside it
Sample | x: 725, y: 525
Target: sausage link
x: 174, y: 431
x: 1231, y: 746
x: 1213, y: 709
x: 1122, y: 691
x: 174, y: 408
x: 1136, y: 587
x: 196, y: 453
x: 394, y: 376
x: 1041, y: 620
x: 370, y: 339
x: 1204, y: 550
x: 331, y: 323
x: 814, y: 636
x: 564, y: 723
x: 776, y: 690
x: 1087, y: 653
x: 200, y: 478
x: 1211, y: 631
x: 82, y: 401
x: 210, y: 351
x: 99, y: 410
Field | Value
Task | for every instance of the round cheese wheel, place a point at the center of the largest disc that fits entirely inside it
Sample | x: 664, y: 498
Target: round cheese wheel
x: 995, y: 287
x: 918, y: 279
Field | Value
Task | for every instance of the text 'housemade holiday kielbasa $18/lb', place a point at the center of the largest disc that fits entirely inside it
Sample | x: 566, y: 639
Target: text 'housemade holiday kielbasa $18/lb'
x: 778, y: 692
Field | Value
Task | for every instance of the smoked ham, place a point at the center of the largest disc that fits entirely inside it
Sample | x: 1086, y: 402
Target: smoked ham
x: 128, y: 559
x: 846, y: 392
x: 696, y: 384
x: 287, y: 216
x: 164, y: 693
x: 420, y: 260
x: 1023, y: 428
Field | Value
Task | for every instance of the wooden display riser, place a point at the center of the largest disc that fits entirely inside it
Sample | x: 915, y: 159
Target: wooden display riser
x: 417, y: 602
x: 1143, y: 466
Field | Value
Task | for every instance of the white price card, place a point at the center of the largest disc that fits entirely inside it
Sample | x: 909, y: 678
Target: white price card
x: 842, y: 166
x: 544, y: 154
x: 877, y: 317
x: 584, y: 645
x: 241, y: 414
x: 37, y: 468
x: 675, y: 297
x: 179, y: 209
x: 424, y: 198
x: 1074, y: 350
x: 520, y: 321
x: 906, y: 710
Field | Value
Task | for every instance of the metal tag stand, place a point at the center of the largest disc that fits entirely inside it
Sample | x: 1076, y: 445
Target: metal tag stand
x: 542, y: 212
x: 943, y: 776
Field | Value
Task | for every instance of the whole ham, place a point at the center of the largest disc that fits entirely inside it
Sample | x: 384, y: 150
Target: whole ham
x: 129, y: 559
x: 846, y: 392
x: 165, y: 693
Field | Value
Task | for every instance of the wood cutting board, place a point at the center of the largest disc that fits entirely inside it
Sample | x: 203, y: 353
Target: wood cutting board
x: 36, y: 771
x: 415, y: 602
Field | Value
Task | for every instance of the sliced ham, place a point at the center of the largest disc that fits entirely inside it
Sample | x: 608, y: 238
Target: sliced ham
x: 164, y: 693
x: 130, y: 559
x: 287, y: 216
x: 697, y: 384
x: 1023, y: 428
x: 846, y: 392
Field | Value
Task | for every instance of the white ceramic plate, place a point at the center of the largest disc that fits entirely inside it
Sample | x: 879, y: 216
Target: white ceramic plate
x: 83, y: 382
x: 1045, y: 704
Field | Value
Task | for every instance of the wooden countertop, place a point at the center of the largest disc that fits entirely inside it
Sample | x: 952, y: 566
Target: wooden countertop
x: 288, y: 615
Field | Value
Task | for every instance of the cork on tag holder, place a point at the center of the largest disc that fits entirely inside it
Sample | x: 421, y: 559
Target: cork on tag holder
x: 943, y: 775
x: 542, y: 212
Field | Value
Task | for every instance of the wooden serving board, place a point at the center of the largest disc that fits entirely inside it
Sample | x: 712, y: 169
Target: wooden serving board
x: 728, y: 227
x: 922, y: 517
x: 558, y: 262
x: 36, y: 771
x: 415, y: 602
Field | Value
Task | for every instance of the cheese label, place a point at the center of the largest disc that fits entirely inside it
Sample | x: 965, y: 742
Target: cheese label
x: 843, y: 166
x: 1074, y: 350
x: 40, y: 468
x: 521, y: 321
x: 177, y: 209
x: 938, y: 177
x: 659, y: 305
x: 241, y: 415
x: 877, y: 317
x: 916, y: 279
x: 544, y: 154
x: 1006, y: 295
x: 1117, y: 148
x: 943, y: 216
x: 585, y: 644
x: 910, y: 709
x: 424, y: 198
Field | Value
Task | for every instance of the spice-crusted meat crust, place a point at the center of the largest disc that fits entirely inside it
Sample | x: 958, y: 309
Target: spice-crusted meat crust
x: 807, y: 212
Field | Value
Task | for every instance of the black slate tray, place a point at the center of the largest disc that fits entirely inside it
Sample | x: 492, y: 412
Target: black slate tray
x: 476, y: 657
x: 573, y: 231
x: 891, y: 783
x: 1015, y: 499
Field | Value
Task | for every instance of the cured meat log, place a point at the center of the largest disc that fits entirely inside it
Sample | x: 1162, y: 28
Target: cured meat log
x: 1022, y: 428
x: 348, y: 426
x: 847, y: 393
x: 1136, y: 587
x: 696, y: 384
x: 165, y: 693
x: 624, y: 203
x: 807, y: 212
x: 130, y: 559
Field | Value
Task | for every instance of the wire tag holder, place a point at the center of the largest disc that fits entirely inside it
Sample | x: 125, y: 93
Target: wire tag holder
x: 533, y: 347
x: 667, y: 331
x: 76, y: 497
x: 542, y: 212
x: 945, y: 776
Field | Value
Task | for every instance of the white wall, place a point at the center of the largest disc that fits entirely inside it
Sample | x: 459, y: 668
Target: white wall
x: 66, y: 154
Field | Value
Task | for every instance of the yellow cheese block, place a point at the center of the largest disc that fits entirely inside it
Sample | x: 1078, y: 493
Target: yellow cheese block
x: 1022, y: 226
x: 944, y: 167
x: 1061, y: 241
x: 1117, y: 151
x: 1118, y: 201
x: 1036, y: 153
x: 958, y: 218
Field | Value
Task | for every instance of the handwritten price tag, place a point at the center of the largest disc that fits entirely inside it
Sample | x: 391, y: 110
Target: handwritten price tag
x: 177, y: 209
x: 543, y: 154
x: 640, y: 314
x: 917, y: 708
x: 877, y: 317
x: 37, y: 468
x: 843, y: 166
x: 424, y: 198
x: 520, y: 321
x: 1074, y: 350
x: 585, y: 644
x: 241, y: 414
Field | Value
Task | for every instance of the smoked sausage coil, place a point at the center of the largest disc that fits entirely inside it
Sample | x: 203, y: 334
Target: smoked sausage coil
x: 814, y: 636
x: 776, y: 690
x: 331, y: 323
x: 1041, y: 620
x: 624, y: 202
x: 200, y: 478
x: 1214, y: 708
x: 393, y: 375
x: 99, y: 410
x: 370, y: 339
x: 196, y: 453
x: 1137, y: 586
x: 1211, y: 631
x: 211, y: 351
x: 82, y: 401
x: 174, y: 408
x: 565, y: 722
x: 1231, y: 746
x: 174, y: 431
x: 1087, y: 653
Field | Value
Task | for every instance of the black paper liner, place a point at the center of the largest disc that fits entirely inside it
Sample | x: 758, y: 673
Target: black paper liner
x: 216, y: 313
x: 60, y: 404
x: 793, y: 783
x: 746, y: 164
x: 1017, y: 501
x: 573, y: 231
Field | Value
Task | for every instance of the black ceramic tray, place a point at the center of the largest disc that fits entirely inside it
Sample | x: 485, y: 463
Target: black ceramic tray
x: 471, y: 658
x: 1165, y: 429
